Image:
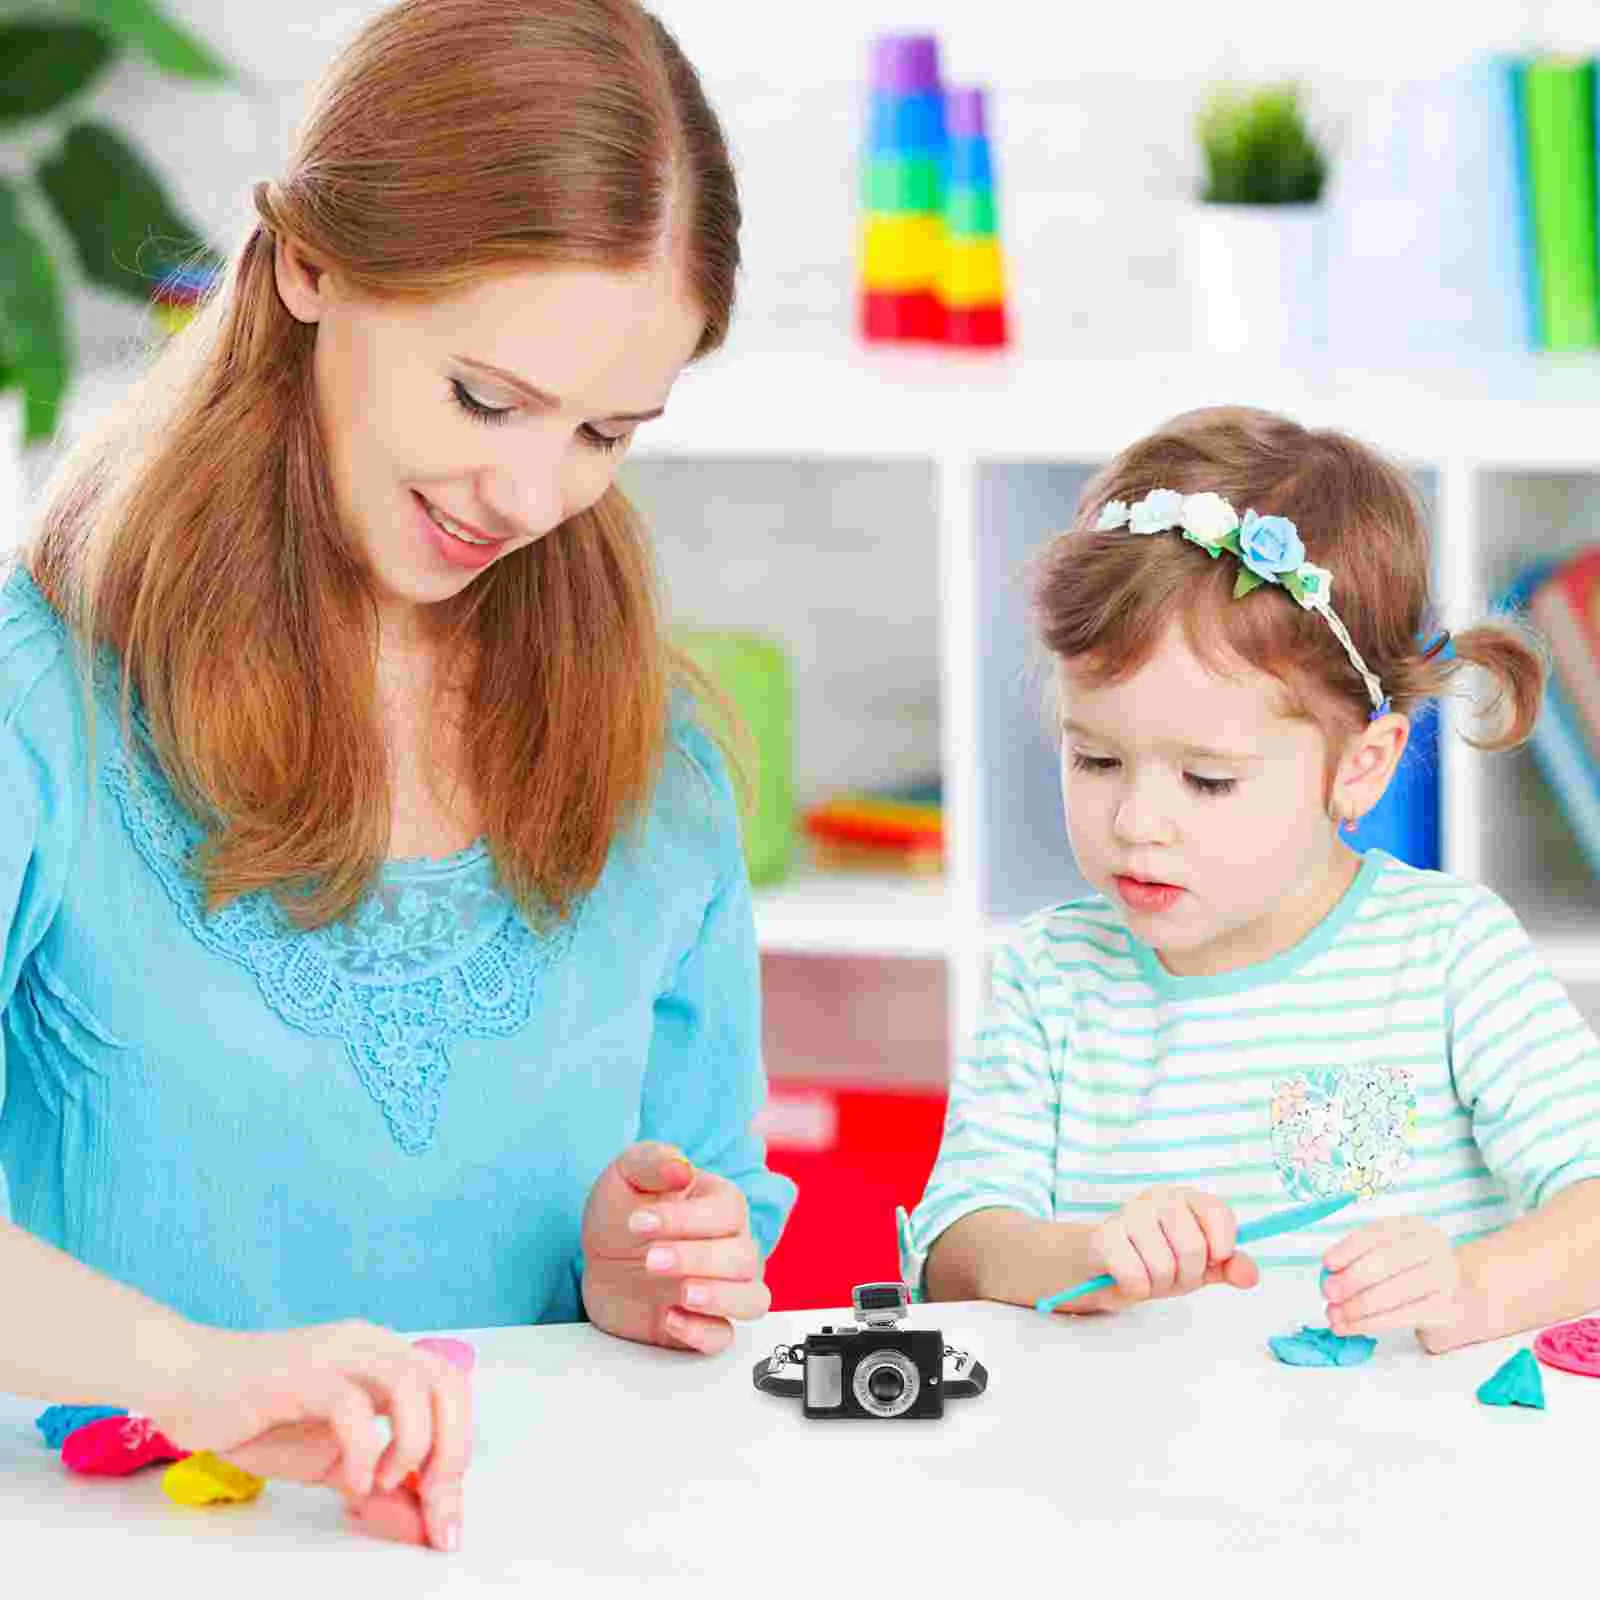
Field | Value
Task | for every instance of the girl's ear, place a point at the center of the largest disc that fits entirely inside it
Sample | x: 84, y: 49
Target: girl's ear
x: 1368, y: 764
x: 302, y: 284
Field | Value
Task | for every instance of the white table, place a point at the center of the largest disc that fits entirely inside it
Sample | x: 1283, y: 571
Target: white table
x: 1157, y: 1452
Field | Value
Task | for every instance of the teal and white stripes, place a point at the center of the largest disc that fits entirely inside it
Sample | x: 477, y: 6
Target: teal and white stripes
x: 1096, y: 1074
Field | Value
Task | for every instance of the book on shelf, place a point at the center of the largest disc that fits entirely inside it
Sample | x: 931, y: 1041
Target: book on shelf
x: 1558, y: 106
x: 1563, y: 741
x: 1565, y: 608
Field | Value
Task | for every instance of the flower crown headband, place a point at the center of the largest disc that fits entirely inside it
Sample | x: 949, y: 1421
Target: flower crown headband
x: 1268, y: 548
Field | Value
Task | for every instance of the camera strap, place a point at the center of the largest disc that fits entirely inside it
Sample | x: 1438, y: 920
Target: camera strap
x: 963, y: 1376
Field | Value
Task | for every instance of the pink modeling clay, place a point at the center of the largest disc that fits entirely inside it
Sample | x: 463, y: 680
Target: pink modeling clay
x: 115, y: 1446
x: 456, y: 1351
x: 1571, y: 1347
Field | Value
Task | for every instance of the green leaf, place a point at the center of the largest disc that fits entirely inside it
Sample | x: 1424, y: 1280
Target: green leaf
x: 1291, y: 582
x: 44, y: 64
x: 143, y: 26
x: 33, y: 322
x: 127, y: 233
x: 1245, y: 582
x: 1230, y: 541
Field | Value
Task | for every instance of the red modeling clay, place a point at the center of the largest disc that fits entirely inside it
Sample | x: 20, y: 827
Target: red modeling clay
x: 1571, y: 1347
x: 395, y: 1515
x: 115, y: 1446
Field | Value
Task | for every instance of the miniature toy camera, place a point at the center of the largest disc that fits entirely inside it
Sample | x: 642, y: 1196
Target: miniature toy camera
x: 875, y: 1369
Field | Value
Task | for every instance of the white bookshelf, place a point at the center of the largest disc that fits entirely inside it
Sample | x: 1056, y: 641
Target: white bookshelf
x: 871, y: 509
x: 1507, y: 457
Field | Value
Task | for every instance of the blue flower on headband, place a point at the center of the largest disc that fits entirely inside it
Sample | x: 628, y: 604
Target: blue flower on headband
x: 1269, y: 546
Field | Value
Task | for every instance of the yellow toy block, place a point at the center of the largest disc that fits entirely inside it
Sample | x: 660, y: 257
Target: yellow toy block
x: 973, y: 273
x: 901, y: 253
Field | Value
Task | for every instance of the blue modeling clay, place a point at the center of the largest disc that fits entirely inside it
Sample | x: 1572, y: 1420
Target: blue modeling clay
x: 58, y: 1421
x: 1322, y: 1347
x: 1514, y: 1383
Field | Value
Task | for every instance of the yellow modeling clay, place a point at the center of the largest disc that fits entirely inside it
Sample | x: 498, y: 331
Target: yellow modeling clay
x: 202, y: 1478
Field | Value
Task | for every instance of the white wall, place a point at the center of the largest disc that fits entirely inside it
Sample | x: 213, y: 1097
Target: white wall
x: 1094, y: 149
x: 1093, y: 104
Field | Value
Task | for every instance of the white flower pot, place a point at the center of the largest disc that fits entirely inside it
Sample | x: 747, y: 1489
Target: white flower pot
x: 1257, y: 278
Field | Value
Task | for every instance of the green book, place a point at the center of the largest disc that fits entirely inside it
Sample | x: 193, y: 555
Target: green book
x: 1558, y: 103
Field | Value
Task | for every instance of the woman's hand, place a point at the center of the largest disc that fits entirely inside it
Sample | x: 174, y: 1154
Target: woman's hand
x: 1167, y: 1241
x: 304, y: 1405
x: 668, y: 1255
x: 1400, y: 1272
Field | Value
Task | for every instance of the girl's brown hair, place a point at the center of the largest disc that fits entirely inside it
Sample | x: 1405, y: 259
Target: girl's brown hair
x: 1103, y: 600
x: 197, y: 537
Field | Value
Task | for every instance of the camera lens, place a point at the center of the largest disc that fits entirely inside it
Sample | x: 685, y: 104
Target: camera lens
x: 886, y: 1385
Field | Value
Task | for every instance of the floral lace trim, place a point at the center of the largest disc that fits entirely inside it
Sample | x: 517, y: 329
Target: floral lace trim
x: 420, y: 963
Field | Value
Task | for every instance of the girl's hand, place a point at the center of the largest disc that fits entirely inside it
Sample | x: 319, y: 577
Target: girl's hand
x: 304, y: 1405
x: 1167, y: 1241
x: 1398, y: 1273
x: 668, y: 1256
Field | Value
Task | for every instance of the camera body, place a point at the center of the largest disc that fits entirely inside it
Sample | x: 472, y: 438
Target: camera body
x: 873, y: 1372
x: 875, y: 1369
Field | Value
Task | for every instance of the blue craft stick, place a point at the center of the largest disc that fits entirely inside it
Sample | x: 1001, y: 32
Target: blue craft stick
x: 1263, y: 1228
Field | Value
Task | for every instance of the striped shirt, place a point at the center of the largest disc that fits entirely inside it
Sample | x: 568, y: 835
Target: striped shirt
x: 1097, y: 1073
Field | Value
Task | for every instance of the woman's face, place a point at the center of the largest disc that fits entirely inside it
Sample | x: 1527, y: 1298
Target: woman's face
x: 465, y: 427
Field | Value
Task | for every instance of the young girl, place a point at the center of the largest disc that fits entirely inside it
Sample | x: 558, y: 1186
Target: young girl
x: 390, y: 965
x: 1236, y: 627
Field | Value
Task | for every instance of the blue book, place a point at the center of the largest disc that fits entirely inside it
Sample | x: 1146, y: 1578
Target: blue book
x: 1511, y: 198
x: 1405, y: 822
x: 1432, y: 255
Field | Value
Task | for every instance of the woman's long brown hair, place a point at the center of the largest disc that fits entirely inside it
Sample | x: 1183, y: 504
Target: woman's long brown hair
x: 196, y: 534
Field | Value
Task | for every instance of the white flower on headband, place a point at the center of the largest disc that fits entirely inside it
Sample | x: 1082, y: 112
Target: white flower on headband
x: 1208, y: 519
x: 1113, y: 514
x: 1160, y: 510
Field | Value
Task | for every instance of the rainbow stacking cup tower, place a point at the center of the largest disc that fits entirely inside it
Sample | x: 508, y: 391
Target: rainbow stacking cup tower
x: 902, y: 228
x: 972, y: 280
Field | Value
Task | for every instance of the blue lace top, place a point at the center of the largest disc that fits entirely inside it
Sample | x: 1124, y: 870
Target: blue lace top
x: 398, y: 1117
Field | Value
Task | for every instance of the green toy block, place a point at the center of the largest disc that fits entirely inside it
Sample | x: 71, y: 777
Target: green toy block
x: 969, y: 212
x: 893, y: 184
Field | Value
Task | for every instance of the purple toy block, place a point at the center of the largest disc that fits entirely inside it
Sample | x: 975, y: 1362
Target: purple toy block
x: 905, y: 63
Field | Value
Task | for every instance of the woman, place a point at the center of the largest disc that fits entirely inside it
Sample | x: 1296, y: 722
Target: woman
x: 378, y: 943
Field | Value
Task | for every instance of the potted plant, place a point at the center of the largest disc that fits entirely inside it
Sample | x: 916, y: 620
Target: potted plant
x: 1254, y: 246
x: 77, y: 201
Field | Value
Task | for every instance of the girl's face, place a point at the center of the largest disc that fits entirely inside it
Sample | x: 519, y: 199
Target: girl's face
x: 1198, y: 809
x: 461, y: 429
